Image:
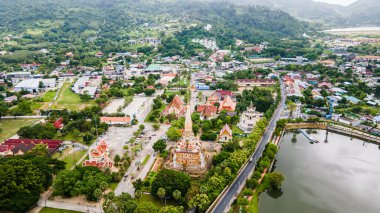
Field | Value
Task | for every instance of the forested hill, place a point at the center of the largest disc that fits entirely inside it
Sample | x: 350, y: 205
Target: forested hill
x: 115, y: 16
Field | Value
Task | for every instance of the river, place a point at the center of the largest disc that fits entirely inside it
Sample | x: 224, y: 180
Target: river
x: 338, y: 176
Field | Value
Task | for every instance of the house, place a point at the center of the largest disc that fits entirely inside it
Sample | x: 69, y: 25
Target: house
x: 227, y: 104
x: 225, y: 134
x: 175, y: 107
x: 99, y: 157
x: 58, y: 124
x: 22, y: 146
x: 6, y: 150
x: 116, y: 120
x: 207, y: 110
x: 30, y: 67
x: 69, y: 54
x: 325, y: 85
x: 10, y: 99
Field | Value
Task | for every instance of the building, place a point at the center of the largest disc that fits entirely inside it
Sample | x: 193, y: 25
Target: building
x: 10, y: 99
x: 188, y: 156
x: 22, y: 146
x: 84, y: 86
x: 33, y: 85
x: 58, y: 124
x: 225, y: 134
x: 249, y: 84
x: 116, y: 120
x: 99, y: 157
x: 227, y: 104
x: 175, y: 107
x: 30, y: 67
x: 249, y: 119
x: 207, y: 110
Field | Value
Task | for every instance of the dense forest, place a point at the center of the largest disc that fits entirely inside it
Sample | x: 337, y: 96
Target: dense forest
x: 66, y: 19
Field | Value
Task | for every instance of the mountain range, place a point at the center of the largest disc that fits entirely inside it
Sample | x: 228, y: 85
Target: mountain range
x: 359, y: 13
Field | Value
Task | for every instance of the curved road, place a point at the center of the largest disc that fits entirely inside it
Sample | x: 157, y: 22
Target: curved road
x: 235, y: 188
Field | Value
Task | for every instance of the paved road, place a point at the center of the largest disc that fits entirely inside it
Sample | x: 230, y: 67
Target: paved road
x: 69, y: 206
x: 126, y: 185
x: 225, y: 202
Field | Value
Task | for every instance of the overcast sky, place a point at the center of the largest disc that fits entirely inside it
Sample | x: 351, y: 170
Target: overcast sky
x: 341, y: 2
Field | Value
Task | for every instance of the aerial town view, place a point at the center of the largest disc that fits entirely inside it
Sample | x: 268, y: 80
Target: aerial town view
x: 196, y: 106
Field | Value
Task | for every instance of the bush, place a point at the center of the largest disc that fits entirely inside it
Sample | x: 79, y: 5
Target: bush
x: 247, y: 192
x: 252, y: 183
x: 257, y: 175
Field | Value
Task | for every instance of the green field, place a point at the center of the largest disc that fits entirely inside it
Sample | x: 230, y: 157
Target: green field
x: 11, y: 126
x: 67, y: 99
x: 49, y: 96
x: 237, y: 130
x: 71, y: 158
x: 52, y: 210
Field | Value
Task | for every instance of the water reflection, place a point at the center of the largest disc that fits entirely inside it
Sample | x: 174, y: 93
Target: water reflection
x: 340, y: 175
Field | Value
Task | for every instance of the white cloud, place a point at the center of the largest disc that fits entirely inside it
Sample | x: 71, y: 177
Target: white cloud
x: 340, y: 2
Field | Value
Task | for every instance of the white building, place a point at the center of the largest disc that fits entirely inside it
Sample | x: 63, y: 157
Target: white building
x: 33, y: 85
x: 249, y: 119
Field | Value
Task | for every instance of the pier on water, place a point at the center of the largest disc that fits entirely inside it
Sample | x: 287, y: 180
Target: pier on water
x: 309, y: 137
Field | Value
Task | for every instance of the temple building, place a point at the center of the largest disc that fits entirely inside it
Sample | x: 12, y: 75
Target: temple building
x: 99, y: 157
x: 207, y: 110
x: 249, y: 119
x: 225, y: 134
x: 176, y: 107
x: 188, y: 156
x: 227, y: 104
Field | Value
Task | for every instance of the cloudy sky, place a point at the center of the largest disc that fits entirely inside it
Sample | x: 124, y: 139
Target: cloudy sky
x: 341, y: 2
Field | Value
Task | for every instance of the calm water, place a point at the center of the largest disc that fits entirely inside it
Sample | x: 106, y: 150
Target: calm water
x: 340, y: 176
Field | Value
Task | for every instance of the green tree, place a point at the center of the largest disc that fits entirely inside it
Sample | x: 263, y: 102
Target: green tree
x: 275, y: 179
x: 156, y: 127
x: 173, y: 133
x: 200, y: 201
x: 161, y: 193
x: 117, y: 159
x: 138, y: 184
x: 171, y: 180
x: 40, y: 150
x: 138, y: 194
x: 159, y: 146
x: 171, y: 209
x: 177, y: 194
x: 4, y: 108
x: 145, y: 207
x: 85, y: 97
x: 114, y: 204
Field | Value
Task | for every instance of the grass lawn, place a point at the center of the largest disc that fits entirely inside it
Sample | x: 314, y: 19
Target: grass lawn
x: 11, y: 126
x: 67, y: 99
x: 49, y: 96
x: 71, y: 158
x: 150, y: 199
x: 237, y: 130
x: 113, y: 186
x: 171, y: 92
x: 52, y: 210
x: 254, y: 204
x: 145, y: 160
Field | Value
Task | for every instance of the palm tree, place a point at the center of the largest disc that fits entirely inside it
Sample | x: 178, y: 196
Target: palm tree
x: 177, y: 194
x: 161, y: 193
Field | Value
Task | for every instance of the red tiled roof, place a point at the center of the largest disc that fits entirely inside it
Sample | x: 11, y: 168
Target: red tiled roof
x: 58, y: 124
x: 115, y: 119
